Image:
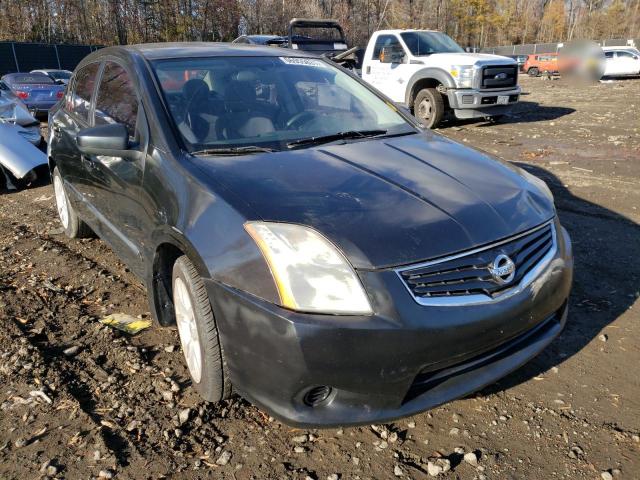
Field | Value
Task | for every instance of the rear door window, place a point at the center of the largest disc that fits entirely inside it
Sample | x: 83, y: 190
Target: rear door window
x: 117, y: 101
x: 83, y: 92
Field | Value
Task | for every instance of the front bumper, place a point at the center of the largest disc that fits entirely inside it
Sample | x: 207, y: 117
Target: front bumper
x: 473, y: 103
x: 404, y: 359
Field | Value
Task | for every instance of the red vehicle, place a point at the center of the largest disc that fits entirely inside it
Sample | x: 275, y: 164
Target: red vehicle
x: 541, y: 63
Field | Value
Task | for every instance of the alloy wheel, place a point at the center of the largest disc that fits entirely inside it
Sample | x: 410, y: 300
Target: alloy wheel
x: 187, y: 329
x: 61, y: 201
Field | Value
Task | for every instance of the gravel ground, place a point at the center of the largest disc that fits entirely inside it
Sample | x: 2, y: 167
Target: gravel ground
x: 80, y: 400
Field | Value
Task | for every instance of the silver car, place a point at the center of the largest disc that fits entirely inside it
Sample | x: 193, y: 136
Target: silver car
x: 14, y: 112
x: 61, y: 77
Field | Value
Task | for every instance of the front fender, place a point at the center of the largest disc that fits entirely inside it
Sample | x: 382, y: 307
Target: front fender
x: 212, y: 235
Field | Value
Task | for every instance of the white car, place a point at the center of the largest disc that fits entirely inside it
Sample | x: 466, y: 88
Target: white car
x: 621, y: 61
x: 61, y: 77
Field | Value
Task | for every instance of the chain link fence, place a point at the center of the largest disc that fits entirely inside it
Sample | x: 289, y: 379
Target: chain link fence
x: 24, y: 57
x: 533, y: 48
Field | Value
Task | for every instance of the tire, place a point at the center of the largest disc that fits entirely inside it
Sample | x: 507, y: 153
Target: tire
x: 533, y: 72
x: 428, y: 107
x: 73, y: 226
x: 199, y: 333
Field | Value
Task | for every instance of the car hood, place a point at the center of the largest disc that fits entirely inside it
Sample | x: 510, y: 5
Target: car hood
x: 387, y: 202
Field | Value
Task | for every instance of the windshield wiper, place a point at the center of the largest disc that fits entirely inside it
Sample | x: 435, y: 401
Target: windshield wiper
x: 234, y: 150
x: 303, y: 142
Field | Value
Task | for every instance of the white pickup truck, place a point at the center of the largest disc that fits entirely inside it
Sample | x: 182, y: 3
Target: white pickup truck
x: 429, y: 73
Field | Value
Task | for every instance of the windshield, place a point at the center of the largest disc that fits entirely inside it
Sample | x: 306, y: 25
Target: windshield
x: 31, y: 78
x: 269, y: 102
x: 60, y: 75
x: 426, y: 43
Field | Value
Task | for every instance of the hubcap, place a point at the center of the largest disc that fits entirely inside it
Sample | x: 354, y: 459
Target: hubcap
x: 187, y: 328
x: 61, y: 201
x: 424, y: 109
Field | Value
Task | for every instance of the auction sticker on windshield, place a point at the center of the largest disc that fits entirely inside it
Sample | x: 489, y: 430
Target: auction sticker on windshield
x: 309, y: 62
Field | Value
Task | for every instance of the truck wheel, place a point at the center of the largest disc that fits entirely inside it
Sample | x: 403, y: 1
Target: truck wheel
x: 199, y: 333
x: 428, y: 107
x: 73, y: 226
x: 533, y: 72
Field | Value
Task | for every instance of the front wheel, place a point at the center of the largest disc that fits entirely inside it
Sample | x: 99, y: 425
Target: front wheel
x: 428, y: 107
x: 73, y: 226
x: 199, y: 333
x: 533, y: 72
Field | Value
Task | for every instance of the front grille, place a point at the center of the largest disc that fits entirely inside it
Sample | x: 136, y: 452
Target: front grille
x: 470, y: 274
x: 499, y: 76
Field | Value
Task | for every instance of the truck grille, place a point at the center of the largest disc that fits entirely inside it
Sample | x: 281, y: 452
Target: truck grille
x: 499, y: 76
x: 471, y: 274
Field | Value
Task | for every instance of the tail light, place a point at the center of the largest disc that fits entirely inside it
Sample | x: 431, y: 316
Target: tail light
x: 22, y: 95
x: 60, y: 94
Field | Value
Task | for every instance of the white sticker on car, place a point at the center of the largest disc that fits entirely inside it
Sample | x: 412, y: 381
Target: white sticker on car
x: 309, y: 62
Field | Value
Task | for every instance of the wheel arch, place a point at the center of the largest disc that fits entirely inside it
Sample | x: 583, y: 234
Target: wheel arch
x: 170, y: 245
x: 426, y: 78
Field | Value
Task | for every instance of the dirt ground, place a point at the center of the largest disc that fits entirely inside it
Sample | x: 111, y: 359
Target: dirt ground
x: 80, y: 400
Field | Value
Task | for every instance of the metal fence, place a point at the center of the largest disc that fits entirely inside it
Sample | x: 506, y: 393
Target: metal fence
x: 24, y: 57
x: 531, y: 48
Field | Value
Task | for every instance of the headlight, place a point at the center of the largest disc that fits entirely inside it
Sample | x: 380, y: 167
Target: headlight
x: 463, y: 75
x: 310, y: 273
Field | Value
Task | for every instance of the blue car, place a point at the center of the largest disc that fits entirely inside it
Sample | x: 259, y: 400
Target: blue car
x: 38, y: 91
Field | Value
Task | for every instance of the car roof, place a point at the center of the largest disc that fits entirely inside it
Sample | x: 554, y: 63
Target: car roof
x: 159, y: 51
x: 403, y: 30
x: 261, y: 38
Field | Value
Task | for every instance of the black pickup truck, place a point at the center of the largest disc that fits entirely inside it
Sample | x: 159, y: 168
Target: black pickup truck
x: 319, y: 36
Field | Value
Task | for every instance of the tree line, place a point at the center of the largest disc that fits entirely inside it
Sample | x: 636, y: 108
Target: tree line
x: 474, y: 23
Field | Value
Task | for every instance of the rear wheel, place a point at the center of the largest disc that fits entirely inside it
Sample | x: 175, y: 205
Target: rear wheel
x: 73, y: 226
x: 428, y: 107
x: 533, y: 72
x: 199, y: 333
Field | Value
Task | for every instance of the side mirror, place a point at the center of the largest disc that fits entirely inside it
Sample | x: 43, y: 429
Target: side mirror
x: 391, y: 55
x: 109, y: 140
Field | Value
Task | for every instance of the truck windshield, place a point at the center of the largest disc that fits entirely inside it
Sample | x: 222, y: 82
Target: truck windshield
x: 426, y: 43
x: 270, y: 103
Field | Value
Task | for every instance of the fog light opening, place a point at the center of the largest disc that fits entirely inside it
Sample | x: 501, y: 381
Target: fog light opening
x: 317, y: 395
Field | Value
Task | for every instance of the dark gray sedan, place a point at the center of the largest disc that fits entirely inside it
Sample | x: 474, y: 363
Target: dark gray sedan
x: 320, y: 253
